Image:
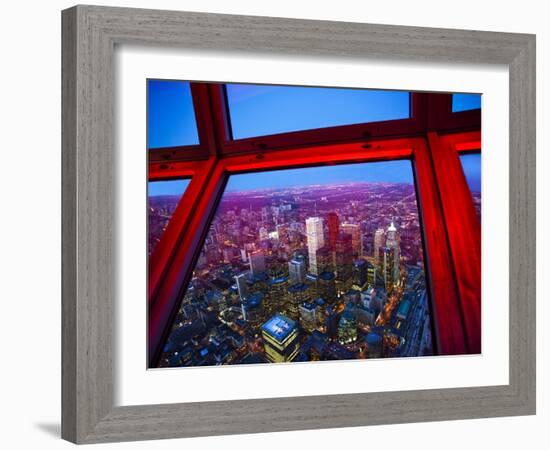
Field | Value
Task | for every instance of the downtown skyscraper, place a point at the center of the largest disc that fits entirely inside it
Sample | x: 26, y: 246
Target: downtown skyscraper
x: 315, y: 240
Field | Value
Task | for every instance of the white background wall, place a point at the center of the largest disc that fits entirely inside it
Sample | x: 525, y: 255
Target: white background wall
x: 31, y: 209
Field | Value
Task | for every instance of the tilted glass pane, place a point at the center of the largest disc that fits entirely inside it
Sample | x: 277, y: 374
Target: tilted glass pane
x: 259, y: 110
x: 466, y: 102
x: 322, y: 263
x: 163, y: 198
x: 170, y: 114
x: 471, y: 165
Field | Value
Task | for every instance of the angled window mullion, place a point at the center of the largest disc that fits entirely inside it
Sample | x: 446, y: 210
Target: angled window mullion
x: 178, y: 270
x: 463, y: 230
x: 447, y: 315
x: 198, y: 172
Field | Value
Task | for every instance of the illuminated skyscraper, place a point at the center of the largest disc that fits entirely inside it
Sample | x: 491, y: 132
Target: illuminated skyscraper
x: 242, y: 287
x: 296, y: 295
x: 392, y: 241
x: 344, y: 259
x: 315, y: 240
x: 387, y: 261
x: 297, y: 270
x: 325, y: 259
x: 347, y: 326
x: 277, y: 294
x: 360, y: 273
x: 333, y: 229
x: 309, y: 316
x: 371, y: 274
x: 378, y: 242
x: 257, y: 262
x: 252, y: 308
x: 356, y: 237
x: 326, y: 286
x: 280, y: 337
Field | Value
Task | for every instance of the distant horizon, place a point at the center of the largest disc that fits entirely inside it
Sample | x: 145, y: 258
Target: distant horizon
x: 397, y: 171
x: 317, y: 185
x: 172, y: 194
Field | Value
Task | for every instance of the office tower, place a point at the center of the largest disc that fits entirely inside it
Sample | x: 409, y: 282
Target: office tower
x: 378, y: 242
x: 356, y: 237
x: 242, y: 286
x: 297, y: 270
x: 315, y: 240
x: 366, y: 317
x: 368, y: 297
x: 331, y: 321
x: 333, y: 229
x: 360, y: 273
x: 280, y: 337
x: 343, y: 259
x: 321, y: 306
x: 347, y: 326
x: 297, y: 294
x: 387, y: 261
x: 371, y: 274
x: 309, y: 316
x: 277, y: 294
x: 326, y: 286
x: 392, y: 241
x: 325, y: 259
x: 252, y: 308
x: 257, y: 262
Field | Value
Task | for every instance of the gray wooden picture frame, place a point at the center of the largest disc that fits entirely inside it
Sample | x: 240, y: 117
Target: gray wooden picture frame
x: 89, y: 37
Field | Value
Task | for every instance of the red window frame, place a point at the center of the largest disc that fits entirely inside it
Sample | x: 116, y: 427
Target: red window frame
x: 450, y: 229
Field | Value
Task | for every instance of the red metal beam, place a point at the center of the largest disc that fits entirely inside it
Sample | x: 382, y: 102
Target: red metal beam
x: 463, y: 230
x: 167, y: 298
x: 331, y: 135
x: 447, y: 318
x: 198, y: 171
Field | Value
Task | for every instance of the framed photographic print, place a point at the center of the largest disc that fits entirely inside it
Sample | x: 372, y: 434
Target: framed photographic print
x: 265, y: 229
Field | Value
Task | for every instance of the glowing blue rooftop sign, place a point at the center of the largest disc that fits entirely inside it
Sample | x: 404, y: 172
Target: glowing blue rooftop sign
x: 279, y: 327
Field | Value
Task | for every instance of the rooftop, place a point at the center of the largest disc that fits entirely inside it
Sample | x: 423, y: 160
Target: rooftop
x: 279, y: 327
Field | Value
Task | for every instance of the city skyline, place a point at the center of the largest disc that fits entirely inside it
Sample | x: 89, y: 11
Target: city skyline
x: 298, y: 263
x: 305, y: 260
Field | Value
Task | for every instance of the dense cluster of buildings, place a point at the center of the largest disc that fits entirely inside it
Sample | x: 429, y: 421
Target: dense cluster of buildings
x: 300, y: 274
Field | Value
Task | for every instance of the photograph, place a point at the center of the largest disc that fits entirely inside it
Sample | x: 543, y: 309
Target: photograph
x: 304, y: 262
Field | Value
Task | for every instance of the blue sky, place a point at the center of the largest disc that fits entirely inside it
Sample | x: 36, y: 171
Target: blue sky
x: 170, y: 114
x: 471, y: 164
x: 259, y: 110
x: 168, y: 187
x: 388, y: 171
x: 465, y: 102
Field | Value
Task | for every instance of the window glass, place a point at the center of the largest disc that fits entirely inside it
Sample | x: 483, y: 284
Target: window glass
x: 259, y: 110
x: 163, y: 198
x: 170, y: 114
x: 471, y: 165
x: 319, y: 263
x: 466, y: 102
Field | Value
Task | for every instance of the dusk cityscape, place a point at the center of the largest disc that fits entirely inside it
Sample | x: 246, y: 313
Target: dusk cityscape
x: 308, y: 264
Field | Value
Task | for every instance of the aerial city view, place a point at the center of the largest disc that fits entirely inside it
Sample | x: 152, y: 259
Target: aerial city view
x: 311, y: 264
